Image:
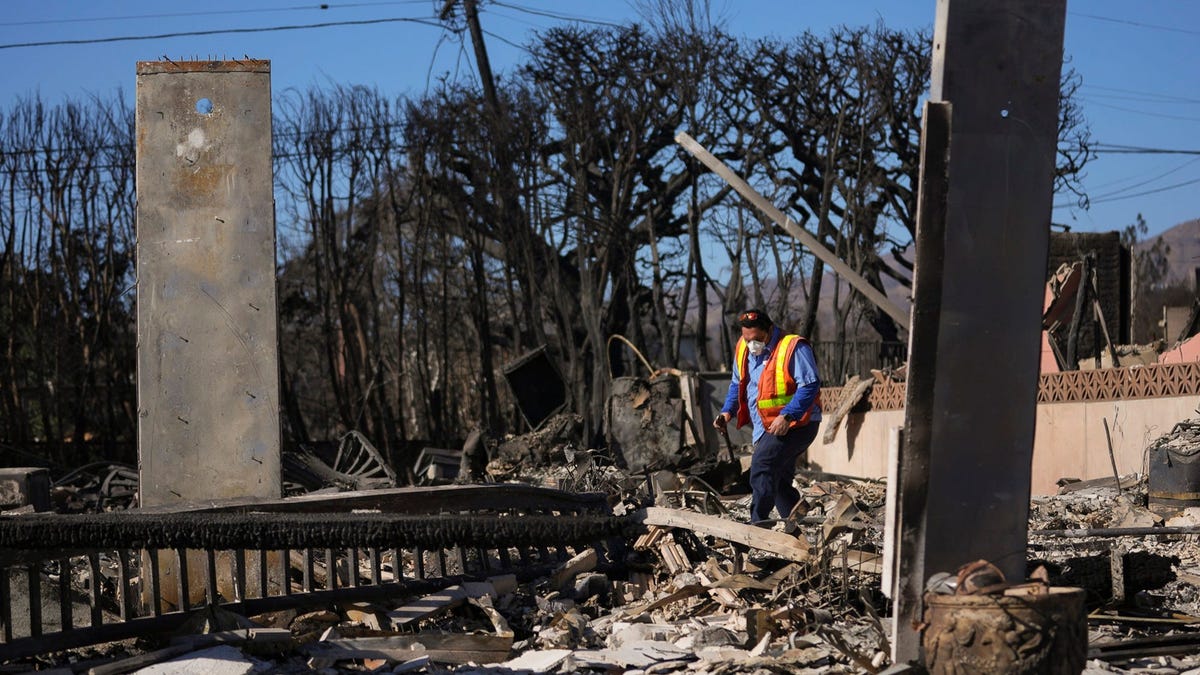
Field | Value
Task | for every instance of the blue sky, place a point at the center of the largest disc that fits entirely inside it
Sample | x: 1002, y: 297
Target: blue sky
x: 1140, y: 63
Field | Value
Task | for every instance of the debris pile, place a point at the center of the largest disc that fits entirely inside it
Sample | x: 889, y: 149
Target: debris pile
x: 1142, y: 588
x: 700, y: 589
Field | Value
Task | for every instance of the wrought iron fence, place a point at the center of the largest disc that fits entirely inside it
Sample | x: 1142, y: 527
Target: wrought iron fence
x: 69, y: 581
x: 837, y: 361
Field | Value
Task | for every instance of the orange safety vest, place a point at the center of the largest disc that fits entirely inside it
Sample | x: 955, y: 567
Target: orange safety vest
x: 776, y: 387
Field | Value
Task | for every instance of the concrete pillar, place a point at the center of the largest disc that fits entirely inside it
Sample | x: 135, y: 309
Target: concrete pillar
x: 208, y: 366
x: 965, y: 468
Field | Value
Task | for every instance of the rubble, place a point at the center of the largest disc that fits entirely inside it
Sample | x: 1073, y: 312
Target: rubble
x: 549, y: 444
x: 702, y: 590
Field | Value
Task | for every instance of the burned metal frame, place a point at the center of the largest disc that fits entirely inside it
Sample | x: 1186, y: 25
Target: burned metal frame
x: 442, y: 534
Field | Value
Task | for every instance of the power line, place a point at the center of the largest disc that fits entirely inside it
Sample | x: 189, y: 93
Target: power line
x: 225, y: 31
x: 1139, y: 24
x: 1114, y: 149
x: 1143, y: 112
x: 321, y: 7
x: 1127, y: 179
x: 1165, y: 98
x: 1146, y: 192
x: 528, y: 22
x: 1160, y: 176
x: 556, y: 15
x: 1143, y: 99
x: 506, y: 41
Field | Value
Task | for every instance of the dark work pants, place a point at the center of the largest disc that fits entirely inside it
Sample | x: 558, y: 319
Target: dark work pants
x: 772, y: 469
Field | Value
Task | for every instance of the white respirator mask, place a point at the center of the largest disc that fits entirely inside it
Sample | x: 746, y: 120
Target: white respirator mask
x: 756, y: 348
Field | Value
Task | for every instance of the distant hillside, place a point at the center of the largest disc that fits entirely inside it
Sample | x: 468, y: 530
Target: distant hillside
x: 1184, y: 240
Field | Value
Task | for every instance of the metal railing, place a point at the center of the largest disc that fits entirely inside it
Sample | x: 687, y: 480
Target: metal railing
x: 71, y: 581
x: 837, y: 361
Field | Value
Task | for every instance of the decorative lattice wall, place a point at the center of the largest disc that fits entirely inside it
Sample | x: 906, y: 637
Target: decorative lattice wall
x: 1154, y: 381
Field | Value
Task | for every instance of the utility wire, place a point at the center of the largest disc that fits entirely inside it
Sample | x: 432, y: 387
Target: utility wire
x: 509, y: 17
x: 1141, y: 112
x: 556, y: 15
x: 1139, y: 24
x: 1160, y: 176
x: 1142, y: 99
x: 1114, y: 149
x: 1126, y: 179
x: 323, y: 6
x: 506, y: 41
x: 224, y: 31
x: 1146, y: 192
x: 1166, y: 98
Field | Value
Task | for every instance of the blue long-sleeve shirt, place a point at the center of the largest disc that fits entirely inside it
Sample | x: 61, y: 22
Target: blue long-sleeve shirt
x: 803, y: 367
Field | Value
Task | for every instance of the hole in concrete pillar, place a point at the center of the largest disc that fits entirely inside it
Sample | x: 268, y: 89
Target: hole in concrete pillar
x: 204, y: 106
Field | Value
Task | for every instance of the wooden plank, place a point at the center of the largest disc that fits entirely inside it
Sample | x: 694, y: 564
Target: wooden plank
x: 782, y: 545
x: 441, y: 647
x: 235, y: 637
x: 829, y: 257
x: 428, y: 606
x: 566, y: 572
x: 691, y: 590
x: 865, y: 562
x: 450, y: 597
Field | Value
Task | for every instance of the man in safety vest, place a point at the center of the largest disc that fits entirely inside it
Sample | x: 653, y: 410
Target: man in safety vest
x: 776, y: 387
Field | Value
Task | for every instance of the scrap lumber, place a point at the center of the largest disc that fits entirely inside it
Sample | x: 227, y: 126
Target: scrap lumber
x: 852, y: 392
x: 233, y: 637
x: 650, y: 538
x: 829, y: 257
x: 674, y: 556
x: 865, y: 562
x: 428, y: 606
x: 439, y: 647
x: 722, y: 594
x: 435, y: 603
x: 782, y: 545
x: 684, y: 593
x: 566, y: 572
x: 499, y: 623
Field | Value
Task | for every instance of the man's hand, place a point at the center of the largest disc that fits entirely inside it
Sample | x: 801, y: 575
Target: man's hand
x: 722, y: 421
x: 779, y: 427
